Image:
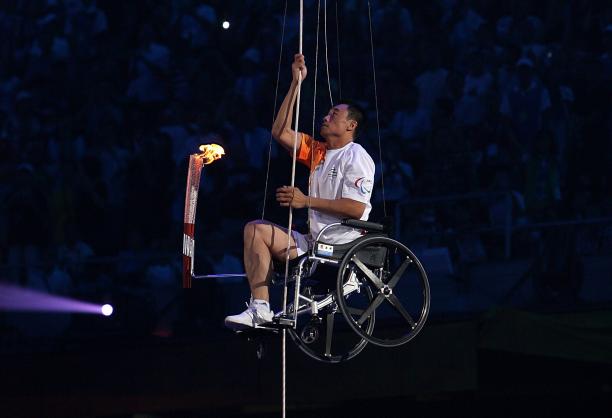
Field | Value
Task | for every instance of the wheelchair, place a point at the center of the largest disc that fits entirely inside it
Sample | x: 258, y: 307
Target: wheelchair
x: 371, y: 290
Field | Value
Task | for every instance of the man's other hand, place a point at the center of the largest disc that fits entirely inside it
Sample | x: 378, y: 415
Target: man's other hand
x: 293, y: 196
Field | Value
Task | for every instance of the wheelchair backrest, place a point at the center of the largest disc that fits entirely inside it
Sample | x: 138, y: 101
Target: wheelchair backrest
x: 373, y: 256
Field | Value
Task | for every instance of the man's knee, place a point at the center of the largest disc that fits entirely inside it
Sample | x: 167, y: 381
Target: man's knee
x: 256, y: 229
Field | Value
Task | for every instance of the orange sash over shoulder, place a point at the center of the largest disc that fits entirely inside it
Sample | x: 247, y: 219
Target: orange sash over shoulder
x: 310, y: 149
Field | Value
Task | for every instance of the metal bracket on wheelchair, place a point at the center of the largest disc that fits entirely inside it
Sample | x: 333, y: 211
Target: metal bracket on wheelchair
x: 310, y: 306
x: 324, y: 260
x: 283, y: 321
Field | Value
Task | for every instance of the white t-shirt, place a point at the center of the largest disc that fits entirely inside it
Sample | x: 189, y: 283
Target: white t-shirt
x: 346, y: 172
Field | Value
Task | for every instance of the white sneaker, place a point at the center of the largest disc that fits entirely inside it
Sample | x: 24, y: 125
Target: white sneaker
x: 257, y: 313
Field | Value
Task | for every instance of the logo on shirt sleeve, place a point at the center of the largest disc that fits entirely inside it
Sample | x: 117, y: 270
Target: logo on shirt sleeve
x: 364, y: 185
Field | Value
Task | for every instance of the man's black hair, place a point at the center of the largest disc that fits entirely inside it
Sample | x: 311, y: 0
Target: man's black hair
x: 356, y: 113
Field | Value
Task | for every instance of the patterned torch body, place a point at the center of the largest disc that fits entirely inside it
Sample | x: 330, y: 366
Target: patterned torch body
x: 191, y: 201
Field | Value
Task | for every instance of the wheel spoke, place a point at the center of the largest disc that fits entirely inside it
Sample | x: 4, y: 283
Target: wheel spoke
x: 369, y: 273
x: 329, y: 334
x: 400, y: 308
x: 380, y: 263
x: 375, y: 303
x: 399, y: 272
x: 354, y: 311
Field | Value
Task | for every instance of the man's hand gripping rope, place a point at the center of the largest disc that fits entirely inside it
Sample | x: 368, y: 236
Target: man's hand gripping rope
x: 292, y: 196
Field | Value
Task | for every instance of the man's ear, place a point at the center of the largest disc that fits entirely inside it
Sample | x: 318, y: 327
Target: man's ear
x: 351, y: 125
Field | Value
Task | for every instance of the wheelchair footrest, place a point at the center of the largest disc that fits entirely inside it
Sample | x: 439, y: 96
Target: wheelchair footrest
x: 258, y: 331
x: 278, y: 323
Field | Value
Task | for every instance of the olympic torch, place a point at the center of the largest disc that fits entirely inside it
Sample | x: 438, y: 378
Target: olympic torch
x: 207, y: 155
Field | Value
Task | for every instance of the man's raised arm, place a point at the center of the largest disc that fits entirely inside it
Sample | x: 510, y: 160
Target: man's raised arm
x: 281, y: 128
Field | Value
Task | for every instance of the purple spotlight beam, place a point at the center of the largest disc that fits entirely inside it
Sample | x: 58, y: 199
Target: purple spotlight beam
x: 14, y: 298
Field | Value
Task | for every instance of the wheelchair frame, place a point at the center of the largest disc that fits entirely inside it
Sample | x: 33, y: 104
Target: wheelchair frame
x: 348, y: 283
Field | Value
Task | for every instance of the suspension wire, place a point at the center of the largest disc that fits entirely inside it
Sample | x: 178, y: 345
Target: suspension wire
x: 314, y: 103
x: 338, y: 51
x: 331, y: 100
x: 382, y: 170
x: 314, y: 99
x: 289, y: 226
x: 280, y: 60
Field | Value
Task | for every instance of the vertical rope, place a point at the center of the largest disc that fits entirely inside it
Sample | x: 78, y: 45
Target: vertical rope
x: 382, y: 170
x: 289, y: 228
x: 331, y: 100
x: 280, y: 60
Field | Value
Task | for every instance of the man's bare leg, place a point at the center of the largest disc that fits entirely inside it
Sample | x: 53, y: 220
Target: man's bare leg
x: 262, y: 242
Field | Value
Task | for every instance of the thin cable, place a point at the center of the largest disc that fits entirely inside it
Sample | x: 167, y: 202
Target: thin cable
x: 280, y: 60
x: 331, y: 100
x: 338, y: 51
x: 382, y: 170
x: 314, y: 104
x: 314, y: 99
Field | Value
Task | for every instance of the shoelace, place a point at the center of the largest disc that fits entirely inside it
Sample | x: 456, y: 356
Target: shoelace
x: 252, y: 309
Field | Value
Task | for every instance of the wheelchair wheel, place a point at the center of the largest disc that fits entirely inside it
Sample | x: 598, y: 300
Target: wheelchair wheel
x: 325, y: 336
x: 398, y: 281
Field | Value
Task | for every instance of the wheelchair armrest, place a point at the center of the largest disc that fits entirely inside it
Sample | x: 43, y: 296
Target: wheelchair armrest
x: 368, y: 226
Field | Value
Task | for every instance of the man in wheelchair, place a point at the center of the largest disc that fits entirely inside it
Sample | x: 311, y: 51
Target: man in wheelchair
x: 341, y: 179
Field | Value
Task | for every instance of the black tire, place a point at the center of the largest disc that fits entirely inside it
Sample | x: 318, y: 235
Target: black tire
x: 385, y: 266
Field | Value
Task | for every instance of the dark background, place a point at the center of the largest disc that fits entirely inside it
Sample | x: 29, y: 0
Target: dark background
x: 496, y: 139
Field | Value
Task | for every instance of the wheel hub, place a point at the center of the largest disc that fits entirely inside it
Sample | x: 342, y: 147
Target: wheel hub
x: 386, y: 291
x: 309, y: 334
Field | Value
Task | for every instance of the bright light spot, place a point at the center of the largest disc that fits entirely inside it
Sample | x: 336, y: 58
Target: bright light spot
x: 225, y: 24
x: 107, y: 310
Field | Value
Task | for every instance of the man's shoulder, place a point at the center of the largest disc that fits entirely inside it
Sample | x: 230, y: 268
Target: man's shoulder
x: 359, y: 152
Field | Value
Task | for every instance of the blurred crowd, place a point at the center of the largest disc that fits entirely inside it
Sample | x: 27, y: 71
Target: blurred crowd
x: 102, y: 102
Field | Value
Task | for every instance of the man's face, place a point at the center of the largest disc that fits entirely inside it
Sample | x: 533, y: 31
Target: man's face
x: 336, y: 123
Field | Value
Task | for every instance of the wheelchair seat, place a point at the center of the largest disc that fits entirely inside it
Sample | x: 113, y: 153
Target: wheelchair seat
x: 336, y: 252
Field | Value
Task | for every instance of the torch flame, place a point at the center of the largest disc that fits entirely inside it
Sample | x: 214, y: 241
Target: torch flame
x: 211, y: 152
